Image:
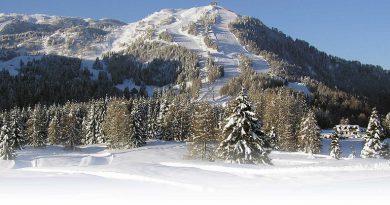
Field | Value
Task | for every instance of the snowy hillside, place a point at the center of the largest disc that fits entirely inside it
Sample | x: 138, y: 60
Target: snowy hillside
x: 88, y: 39
x: 99, y: 176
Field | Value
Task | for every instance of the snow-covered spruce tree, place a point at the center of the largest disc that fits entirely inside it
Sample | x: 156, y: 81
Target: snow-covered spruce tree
x: 37, y: 127
x: 387, y: 124
x: 204, y: 133
x: 244, y: 142
x: 335, y: 146
x: 160, y: 122
x: 17, y: 128
x: 138, y: 134
x: 373, y: 146
x: 272, y: 139
x: 152, y: 118
x: 71, y: 131
x: 54, y: 133
x: 100, y: 108
x: 7, y: 151
x: 91, y: 124
x: 177, y: 119
x: 309, y: 135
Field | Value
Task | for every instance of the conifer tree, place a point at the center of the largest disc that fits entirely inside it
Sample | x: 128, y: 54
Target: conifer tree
x: 272, y: 139
x: 244, y: 142
x: 204, y: 133
x: 91, y: 127
x: 152, y: 118
x: 162, y: 126
x: 101, y: 107
x: 72, y: 121
x: 287, y: 113
x: 373, y: 146
x: 309, y: 135
x: 37, y: 127
x: 54, y: 133
x: 7, y: 151
x: 17, y: 129
x: 184, y: 119
x: 118, y: 125
x: 387, y: 124
x: 138, y: 134
x: 335, y: 146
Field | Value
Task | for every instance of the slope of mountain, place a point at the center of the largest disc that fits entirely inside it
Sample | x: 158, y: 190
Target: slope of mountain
x: 210, y: 32
x: 67, y: 36
x: 88, y: 39
x: 294, y: 59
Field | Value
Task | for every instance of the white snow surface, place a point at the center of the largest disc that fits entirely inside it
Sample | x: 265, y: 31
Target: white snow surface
x: 175, y: 20
x: 299, y: 87
x: 13, y: 65
x: 171, y: 20
x: 161, y: 173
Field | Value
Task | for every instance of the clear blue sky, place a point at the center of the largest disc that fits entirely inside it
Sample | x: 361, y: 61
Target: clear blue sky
x: 352, y: 29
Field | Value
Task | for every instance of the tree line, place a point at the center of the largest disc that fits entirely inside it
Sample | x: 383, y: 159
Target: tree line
x: 232, y: 133
x: 293, y: 59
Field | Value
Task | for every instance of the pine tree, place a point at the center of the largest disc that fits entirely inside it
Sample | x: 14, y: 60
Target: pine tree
x: 160, y: 119
x: 204, y: 132
x: 272, y: 139
x: 163, y: 131
x: 101, y: 107
x: 287, y: 120
x: 309, y: 135
x: 91, y: 127
x: 37, y: 127
x: 387, y: 124
x: 118, y: 125
x: 373, y: 146
x: 7, y: 151
x: 152, y: 118
x: 184, y: 119
x: 17, y: 128
x: 138, y: 134
x: 54, y: 133
x: 244, y: 141
x: 335, y: 146
x: 72, y: 121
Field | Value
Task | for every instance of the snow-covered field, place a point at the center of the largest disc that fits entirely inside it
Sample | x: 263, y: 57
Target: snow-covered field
x: 160, y: 173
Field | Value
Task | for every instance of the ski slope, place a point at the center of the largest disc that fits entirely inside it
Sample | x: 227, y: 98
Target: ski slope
x: 161, y: 173
x: 174, y: 21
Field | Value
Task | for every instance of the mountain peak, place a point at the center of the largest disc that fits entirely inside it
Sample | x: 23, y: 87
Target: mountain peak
x: 203, y: 30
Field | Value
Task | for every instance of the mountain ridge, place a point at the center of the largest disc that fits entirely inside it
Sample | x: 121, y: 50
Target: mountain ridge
x: 208, y: 31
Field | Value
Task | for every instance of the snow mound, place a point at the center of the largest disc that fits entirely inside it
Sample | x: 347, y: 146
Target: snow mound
x: 95, y: 160
x: 7, y: 164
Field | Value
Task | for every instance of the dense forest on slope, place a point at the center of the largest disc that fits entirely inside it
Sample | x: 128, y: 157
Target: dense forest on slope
x: 294, y: 59
x: 153, y: 63
x: 53, y: 79
x: 58, y: 79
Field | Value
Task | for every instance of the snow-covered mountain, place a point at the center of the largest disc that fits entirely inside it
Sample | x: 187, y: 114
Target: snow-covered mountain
x: 87, y: 38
